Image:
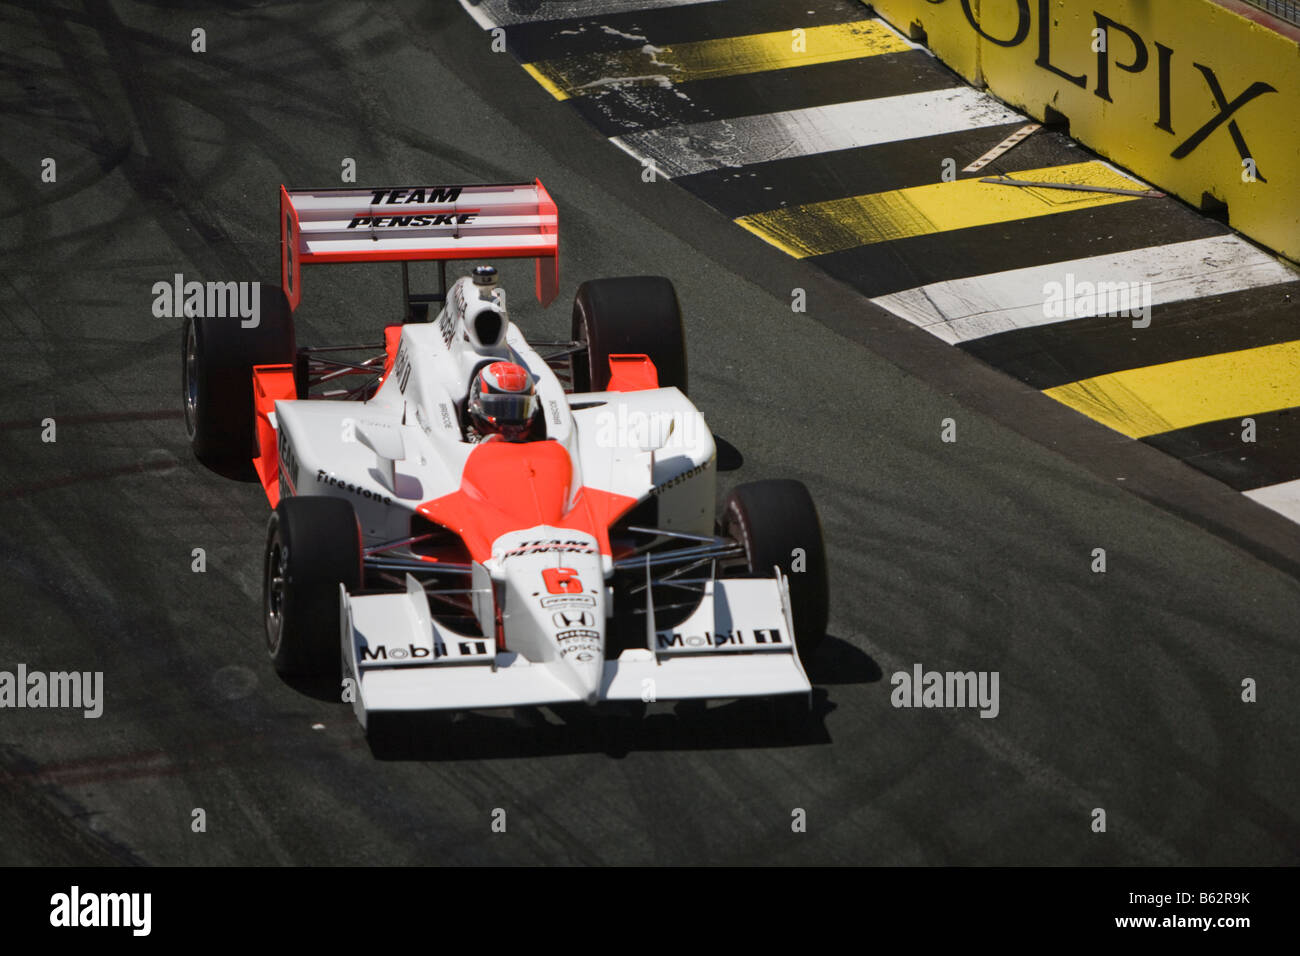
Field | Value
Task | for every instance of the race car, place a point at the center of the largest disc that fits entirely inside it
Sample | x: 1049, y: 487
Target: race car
x: 464, y: 520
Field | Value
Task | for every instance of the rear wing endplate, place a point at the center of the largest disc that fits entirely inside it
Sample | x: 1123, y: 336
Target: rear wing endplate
x: 414, y: 223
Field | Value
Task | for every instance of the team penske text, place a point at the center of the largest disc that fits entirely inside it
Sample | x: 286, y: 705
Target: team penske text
x: 438, y: 219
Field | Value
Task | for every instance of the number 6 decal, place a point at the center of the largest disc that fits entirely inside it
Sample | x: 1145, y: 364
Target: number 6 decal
x: 561, y: 581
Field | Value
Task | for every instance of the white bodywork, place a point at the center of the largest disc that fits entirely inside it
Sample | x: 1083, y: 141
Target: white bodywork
x: 406, y: 447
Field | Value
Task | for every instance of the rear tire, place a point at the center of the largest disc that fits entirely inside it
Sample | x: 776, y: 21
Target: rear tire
x: 217, y: 359
x: 313, y: 545
x: 772, y: 520
x: 628, y: 315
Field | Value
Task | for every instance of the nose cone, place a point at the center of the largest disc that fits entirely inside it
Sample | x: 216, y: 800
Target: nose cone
x: 554, y: 610
x: 583, y: 669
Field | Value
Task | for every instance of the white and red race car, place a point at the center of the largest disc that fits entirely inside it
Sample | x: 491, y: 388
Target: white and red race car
x: 449, y: 571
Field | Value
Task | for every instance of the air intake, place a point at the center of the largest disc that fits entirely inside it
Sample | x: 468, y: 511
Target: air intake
x: 488, y: 327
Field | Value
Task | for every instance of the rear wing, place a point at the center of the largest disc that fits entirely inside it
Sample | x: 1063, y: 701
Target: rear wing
x: 414, y: 223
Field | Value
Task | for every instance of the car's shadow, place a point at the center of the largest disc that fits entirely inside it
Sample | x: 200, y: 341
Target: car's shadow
x: 317, y: 688
x: 839, y: 662
x: 541, y: 732
x: 729, y: 456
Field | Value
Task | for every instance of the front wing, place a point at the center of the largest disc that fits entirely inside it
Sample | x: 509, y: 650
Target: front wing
x: 738, y: 643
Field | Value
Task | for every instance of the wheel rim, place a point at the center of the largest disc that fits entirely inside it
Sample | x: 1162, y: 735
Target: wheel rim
x: 275, y: 566
x: 191, y: 384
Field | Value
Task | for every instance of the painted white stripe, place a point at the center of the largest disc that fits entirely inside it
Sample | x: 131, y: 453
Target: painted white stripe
x: 697, y: 147
x: 1283, y: 498
x: 965, y: 309
x: 504, y: 13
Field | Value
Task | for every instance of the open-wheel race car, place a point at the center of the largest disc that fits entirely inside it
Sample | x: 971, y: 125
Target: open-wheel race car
x: 464, y: 520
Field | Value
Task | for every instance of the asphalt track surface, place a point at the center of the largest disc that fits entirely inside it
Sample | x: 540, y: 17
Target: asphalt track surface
x: 1118, y: 690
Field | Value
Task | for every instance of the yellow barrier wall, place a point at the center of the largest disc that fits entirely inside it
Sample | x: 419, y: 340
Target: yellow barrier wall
x: 1182, y: 92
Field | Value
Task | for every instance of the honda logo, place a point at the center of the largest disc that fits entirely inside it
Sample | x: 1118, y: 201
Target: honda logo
x: 573, y: 619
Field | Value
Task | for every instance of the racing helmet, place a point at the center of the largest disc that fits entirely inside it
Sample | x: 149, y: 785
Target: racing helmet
x: 502, y: 400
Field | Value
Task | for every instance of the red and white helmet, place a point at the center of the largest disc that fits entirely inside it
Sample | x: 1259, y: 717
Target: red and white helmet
x: 502, y: 400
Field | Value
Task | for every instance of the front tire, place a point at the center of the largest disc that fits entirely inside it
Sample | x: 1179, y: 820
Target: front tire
x: 777, y: 525
x: 313, y: 545
x: 628, y: 315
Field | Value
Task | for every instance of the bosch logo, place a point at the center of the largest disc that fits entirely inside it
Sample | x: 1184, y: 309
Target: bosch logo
x: 580, y: 645
x: 574, y: 619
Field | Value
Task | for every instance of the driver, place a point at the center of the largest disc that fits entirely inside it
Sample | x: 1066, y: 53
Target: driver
x: 501, y: 403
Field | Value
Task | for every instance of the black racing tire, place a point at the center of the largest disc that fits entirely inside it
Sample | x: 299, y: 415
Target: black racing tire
x: 313, y: 544
x: 217, y: 359
x: 628, y: 315
x: 771, y: 520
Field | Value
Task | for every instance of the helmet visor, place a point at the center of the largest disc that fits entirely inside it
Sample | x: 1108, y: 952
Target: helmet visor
x: 507, y: 409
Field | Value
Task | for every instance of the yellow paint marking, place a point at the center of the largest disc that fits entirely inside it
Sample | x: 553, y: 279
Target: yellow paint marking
x: 543, y: 79
x: 837, y: 224
x: 1159, y: 398
x: 706, y: 59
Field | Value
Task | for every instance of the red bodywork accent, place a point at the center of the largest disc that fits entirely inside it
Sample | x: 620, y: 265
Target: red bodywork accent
x: 631, y: 373
x: 561, y: 581
x: 392, y: 341
x: 547, y: 281
x: 270, y: 384
x: 509, y: 486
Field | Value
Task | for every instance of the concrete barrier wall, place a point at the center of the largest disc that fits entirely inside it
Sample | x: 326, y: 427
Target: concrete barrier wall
x: 1191, y: 95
